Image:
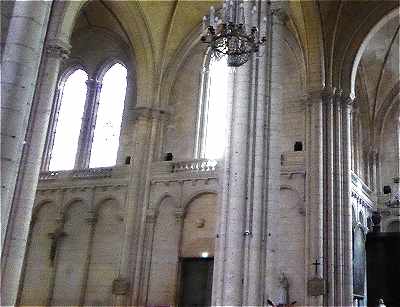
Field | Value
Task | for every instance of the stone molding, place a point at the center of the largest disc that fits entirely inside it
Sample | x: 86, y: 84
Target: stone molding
x: 92, y: 173
x: 148, y: 113
x: 58, y: 49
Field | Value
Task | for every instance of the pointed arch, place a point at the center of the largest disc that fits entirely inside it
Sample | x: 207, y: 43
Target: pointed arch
x: 105, y: 144
x: 352, y: 57
x: 69, y: 106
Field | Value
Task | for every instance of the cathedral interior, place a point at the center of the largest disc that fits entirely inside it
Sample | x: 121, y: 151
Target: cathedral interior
x: 140, y: 167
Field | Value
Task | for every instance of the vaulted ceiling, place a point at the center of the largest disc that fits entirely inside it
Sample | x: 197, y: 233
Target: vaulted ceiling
x: 378, y: 71
x: 167, y: 25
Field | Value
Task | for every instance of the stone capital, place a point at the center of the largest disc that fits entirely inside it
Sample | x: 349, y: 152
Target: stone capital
x: 328, y: 92
x: 179, y: 214
x: 91, y: 218
x: 93, y: 84
x: 148, y: 113
x: 150, y: 216
x: 59, y: 49
x: 348, y: 101
x: 279, y: 16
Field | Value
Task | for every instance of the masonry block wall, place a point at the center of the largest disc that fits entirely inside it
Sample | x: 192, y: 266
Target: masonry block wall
x: 75, y: 244
x: 180, y: 135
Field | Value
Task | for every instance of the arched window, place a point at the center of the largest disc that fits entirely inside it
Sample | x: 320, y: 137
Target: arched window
x: 68, y: 123
x: 109, y: 115
x: 212, y: 111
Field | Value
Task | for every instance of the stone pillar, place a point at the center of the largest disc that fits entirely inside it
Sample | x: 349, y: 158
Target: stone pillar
x: 337, y: 171
x: 373, y: 162
x: 259, y: 139
x: 346, y: 201
x: 20, y: 61
x: 88, y: 122
x: 91, y: 220
x: 329, y: 204
x: 125, y: 139
x: 24, y: 195
x: 60, y: 225
x: 234, y: 188
x: 250, y: 178
x: 275, y: 84
x: 144, y: 135
x: 141, y: 289
x: 356, y: 141
x: 314, y: 166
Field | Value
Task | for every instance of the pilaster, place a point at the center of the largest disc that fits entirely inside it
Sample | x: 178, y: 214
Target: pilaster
x: 146, y: 124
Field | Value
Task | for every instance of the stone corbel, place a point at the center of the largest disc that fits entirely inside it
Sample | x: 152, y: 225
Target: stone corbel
x: 56, y: 48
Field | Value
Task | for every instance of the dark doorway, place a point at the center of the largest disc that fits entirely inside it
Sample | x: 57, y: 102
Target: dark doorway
x: 196, y: 281
x: 359, y: 265
x: 383, y: 268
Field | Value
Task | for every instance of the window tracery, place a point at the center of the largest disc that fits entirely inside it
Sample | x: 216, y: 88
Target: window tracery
x: 85, y: 130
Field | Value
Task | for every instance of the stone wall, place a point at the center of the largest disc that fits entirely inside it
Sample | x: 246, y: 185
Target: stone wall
x: 75, y: 240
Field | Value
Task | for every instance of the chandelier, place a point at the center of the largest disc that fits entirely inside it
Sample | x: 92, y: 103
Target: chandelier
x: 231, y: 34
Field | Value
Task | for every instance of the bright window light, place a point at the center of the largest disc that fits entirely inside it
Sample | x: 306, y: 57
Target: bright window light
x: 69, y: 122
x: 109, y: 115
x: 214, y: 132
x: 204, y: 254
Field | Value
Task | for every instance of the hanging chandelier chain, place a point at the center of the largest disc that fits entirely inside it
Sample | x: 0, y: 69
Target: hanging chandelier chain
x: 232, y: 35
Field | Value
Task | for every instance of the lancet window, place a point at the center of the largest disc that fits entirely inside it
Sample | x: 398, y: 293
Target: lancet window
x: 211, y: 123
x: 86, y: 119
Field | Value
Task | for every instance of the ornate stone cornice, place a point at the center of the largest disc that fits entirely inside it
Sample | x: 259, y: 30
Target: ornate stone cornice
x: 58, y: 49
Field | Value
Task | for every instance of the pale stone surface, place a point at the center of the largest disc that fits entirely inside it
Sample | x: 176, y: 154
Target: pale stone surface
x: 261, y: 211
